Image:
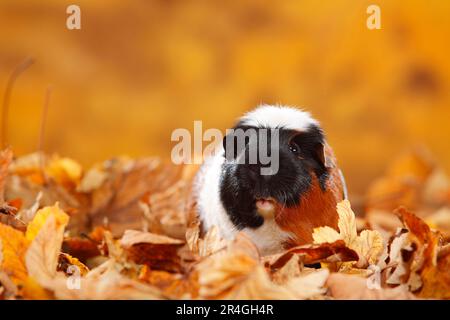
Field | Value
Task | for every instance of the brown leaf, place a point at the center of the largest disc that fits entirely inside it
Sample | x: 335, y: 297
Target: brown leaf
x: 127, y: 183
x: 106, y: 283
x: 325, y: 252
x: 173, y: 285
x: 156, y: 251
x: 86, y: 247
x: 133, y: 237
x: 429, y: 274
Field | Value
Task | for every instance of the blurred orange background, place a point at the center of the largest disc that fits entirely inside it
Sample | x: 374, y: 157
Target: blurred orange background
x: 137, y: 70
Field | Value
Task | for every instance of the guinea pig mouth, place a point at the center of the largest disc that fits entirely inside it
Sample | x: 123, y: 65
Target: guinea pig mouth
x: 266, y: 207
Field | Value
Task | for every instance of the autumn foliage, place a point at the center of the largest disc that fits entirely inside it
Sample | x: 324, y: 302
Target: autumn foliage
x: 127, y: 229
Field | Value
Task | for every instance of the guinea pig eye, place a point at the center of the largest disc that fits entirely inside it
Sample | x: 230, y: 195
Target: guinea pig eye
x: 293, y: 147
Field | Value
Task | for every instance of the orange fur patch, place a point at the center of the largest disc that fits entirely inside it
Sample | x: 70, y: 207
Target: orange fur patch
x: 317, y: 208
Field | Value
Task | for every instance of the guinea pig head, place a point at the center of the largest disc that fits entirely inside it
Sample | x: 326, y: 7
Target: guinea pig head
x: 281, y: 173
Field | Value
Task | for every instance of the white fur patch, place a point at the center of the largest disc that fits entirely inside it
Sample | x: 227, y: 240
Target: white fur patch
x: 277, y: 116
x: 269, y: 238
x: 211, y: 210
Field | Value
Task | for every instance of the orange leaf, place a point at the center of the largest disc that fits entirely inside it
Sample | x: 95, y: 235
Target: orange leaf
x: 14, y: 246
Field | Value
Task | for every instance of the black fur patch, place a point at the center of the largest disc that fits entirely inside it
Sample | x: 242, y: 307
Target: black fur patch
x: 300, y: 155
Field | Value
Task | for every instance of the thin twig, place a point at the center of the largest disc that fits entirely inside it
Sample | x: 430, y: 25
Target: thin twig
x: 7, y: 97
x: 40, y: 144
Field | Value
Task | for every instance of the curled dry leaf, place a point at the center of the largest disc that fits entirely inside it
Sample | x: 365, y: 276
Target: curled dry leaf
x: 368, y: 245
x: 311, y: 254
x: 66, y: 262
x: 210, y: 243
x: 399, y: 257
x: 155, y: 251
x: 174, y: 259
x: 19, y: 253
x: 46, y: 233
x: 429, y: 273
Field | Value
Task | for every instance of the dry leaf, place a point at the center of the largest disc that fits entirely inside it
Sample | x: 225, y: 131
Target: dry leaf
x: 292, y: 268
x: 173, y: 285
x: 106, y: 284
x: 133, y: 237
x: 429, y: 271
x: 156, y: 251
x: 311, y: 254
x: 310, y: 285
x: 42, y: 255
x: 128, y: 182
x: 176, y: 260
x: 224, y: 271
x: 64, y: 171
x: 14, y: 247
x: 368, y: 245
x: 347, y: 287
x: 92, y: 180
x: 66, y: 261
x: 34, y: 227
x: 204, y: 246
x: 8, y: 289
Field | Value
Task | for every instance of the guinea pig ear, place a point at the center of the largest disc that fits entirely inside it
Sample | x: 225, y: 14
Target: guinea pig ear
x: 322, y: 156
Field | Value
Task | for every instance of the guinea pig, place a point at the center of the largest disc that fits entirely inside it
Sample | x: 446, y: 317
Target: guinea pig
x: 278, y: 208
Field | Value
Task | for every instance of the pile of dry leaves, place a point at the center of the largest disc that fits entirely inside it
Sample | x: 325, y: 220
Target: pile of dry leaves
x: 126, y: 229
